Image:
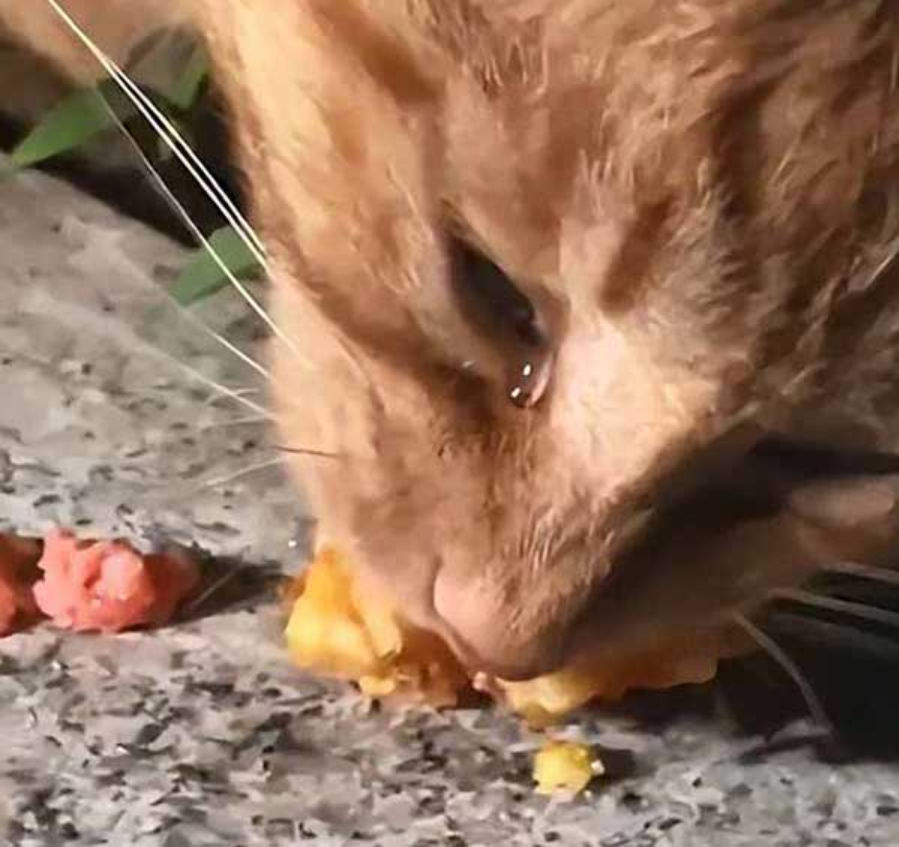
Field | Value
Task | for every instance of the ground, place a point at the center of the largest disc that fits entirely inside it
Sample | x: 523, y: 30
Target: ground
x: 202, y: 734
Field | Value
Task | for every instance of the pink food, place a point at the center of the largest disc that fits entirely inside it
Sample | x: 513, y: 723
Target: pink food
x: 108, y: 585
x: 18, y: 572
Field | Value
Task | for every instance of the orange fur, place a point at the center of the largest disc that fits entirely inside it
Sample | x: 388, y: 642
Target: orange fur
x: 696, y: 194
x: 700, y: 200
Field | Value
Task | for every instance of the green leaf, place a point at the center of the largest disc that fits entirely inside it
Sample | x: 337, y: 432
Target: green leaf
x: 71, y: 123
x: 186, y: 89
x: 203, y: 276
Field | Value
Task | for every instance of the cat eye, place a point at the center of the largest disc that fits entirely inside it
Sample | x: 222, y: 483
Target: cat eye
x: 508, y: 321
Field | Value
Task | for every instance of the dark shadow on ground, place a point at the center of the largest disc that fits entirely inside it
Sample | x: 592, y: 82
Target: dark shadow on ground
x: 853, y: 670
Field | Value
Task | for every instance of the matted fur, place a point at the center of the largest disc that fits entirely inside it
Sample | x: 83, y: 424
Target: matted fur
x: 700, y: 197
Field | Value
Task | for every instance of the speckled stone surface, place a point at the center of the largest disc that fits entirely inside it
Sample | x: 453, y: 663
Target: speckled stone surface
x: 201, y: 734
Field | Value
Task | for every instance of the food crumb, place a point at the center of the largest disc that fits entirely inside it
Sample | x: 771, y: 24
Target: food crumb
x: 565, y: 766
x: 108, y: 586
x: 341, y: 627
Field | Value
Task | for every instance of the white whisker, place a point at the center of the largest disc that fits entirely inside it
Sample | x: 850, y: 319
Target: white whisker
x: 224, y: 390
x: 204, y: 242
x: 306, y: 451
x: 198, y: 601
x: 774, y: 650
x: 251, y: 469
x: 182, y: 212
x: 169, y: 133
x: 253, y: 420
x: 82, y: 317
x: 237, y: 393
x: 190, y: 161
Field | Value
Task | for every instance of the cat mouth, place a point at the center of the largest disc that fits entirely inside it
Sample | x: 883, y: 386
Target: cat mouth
x: 767, y: 521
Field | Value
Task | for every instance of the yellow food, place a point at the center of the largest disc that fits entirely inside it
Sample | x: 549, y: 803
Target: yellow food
x: 338, y: 628
x: 547, y: 699
x: 544, y: 700
x: 565, y: 766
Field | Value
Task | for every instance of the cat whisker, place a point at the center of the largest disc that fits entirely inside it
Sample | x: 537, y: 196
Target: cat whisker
x: 223, y: 390
x: 873, y: 614
x: 776, y: 652
x: 80, y: 316
x: 304, y: 451
x: 182, y: 212
x: 237, y: 394
x: 226, y: 393
x: 192, y: 163
x: 251, y: 420
x: 213, y: 589
x: 170, y: 135
x: 243, y: 472
x: 886, y: 263
x: 869, y: 572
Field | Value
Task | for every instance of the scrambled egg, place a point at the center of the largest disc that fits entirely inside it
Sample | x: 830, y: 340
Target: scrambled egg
x: 565, y: 766
x: 339, y: 629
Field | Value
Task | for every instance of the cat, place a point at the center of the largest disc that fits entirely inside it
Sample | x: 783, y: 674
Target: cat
x: 558, y: 280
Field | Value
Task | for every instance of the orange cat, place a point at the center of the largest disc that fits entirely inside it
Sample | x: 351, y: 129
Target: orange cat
x: 549, y: 266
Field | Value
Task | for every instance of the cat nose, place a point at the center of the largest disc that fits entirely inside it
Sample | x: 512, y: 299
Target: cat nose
x: 479, y: 624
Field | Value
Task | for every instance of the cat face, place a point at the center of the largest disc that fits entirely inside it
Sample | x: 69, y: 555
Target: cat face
x: 541, y: 269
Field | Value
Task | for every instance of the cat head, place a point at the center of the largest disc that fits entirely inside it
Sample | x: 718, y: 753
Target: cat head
x: 542, y: 269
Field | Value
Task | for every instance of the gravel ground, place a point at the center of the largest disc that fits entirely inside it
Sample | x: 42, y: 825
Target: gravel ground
x: 201, y: 734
